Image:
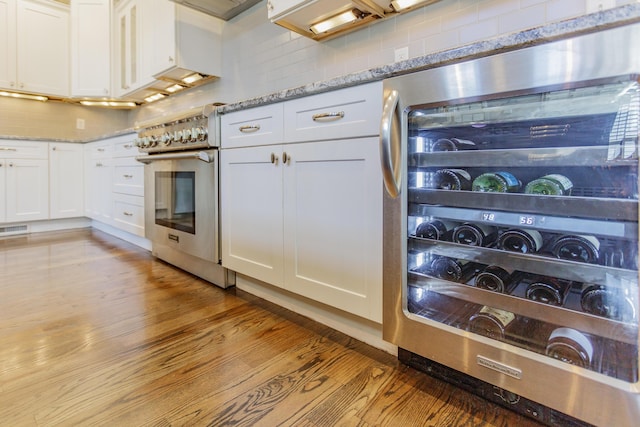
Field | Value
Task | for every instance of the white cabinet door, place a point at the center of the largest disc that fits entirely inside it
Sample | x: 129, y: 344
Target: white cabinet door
x: 130, y: 71
x: 27, y: 187
x: 98, y: 181
x: 43, y: 48
x: 333, y: 224
x: 8, y: 78
x: 66, y: 183
x: 90, y: 48
x: 251, y: 203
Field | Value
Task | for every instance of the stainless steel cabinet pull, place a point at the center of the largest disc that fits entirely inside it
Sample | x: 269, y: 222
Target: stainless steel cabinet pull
x: 99, y: 164
x: 128, y: 146
x: 328, y: 117
x: 274, y: 158
x: 127, y: 213
x: 127, y: 176
x: 8, y: 149
x: 100, y: 149
x: 286, y: 158
x: 249, y: 128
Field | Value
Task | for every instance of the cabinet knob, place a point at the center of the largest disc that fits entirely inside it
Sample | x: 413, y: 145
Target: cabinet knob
x: 12, y: 84
x: 171, y: 59
x: 54, y: 148
x: 270, y: 6
x: 10, y: 165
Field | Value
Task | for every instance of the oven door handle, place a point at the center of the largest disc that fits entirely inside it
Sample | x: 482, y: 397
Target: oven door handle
x: 206, y: 157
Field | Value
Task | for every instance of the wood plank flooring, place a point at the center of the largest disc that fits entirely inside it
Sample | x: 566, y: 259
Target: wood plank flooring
x: 95, y: 331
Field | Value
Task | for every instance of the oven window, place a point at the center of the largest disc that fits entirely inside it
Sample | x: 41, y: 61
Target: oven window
x: 175, y: 200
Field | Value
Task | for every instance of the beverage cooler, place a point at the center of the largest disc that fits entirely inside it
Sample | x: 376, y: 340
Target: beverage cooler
x: 511, y: 226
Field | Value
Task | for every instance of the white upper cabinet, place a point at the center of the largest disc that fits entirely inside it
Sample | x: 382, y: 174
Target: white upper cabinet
x: 42, y: 48
x: 8, y: 67
x: 129, y: 63
x: 90, y: 48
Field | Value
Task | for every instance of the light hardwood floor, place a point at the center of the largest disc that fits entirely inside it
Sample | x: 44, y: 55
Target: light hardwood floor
x: 95, y: 331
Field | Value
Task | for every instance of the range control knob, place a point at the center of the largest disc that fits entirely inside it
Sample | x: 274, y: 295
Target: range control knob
x: 194, y: 134
x: 202, y: 133
x: 137, y: 143
x: 186, y: 136
x: 166, y: 138
x: 153, y: 141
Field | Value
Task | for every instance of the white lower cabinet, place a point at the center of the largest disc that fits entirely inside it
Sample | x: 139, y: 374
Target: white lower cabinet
x: 24, y: 181
x: 98, y: 170
x: 66, y: 180
x: 27, y: 189
x: 307, y: 217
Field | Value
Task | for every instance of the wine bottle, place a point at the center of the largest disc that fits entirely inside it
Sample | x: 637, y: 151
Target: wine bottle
x: 451, y: 269
x: 435, y: 230
x: 570, y: 346
x: 444, y: 144
x: 548, y: 290
x: 497, y: 279
x: 491, y: 322
x: 550, y: 185
x: 523, y: 241
x: 581, y: 248
x: 474, y: 234
x: 453, y: 144
x: 496, y: 182
x: 452, y: 179
x: 604, y: 301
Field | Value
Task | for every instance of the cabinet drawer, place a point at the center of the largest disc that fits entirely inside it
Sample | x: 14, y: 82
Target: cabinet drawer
x: 128, y: 178
x: 23, y: 149
x: 128, y: 213
x: 99, y: 150
x: 256, y: 126
x: 125, y: 147
x: 344, y: 113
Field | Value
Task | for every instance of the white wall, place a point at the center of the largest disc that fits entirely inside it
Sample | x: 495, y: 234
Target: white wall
x: 262, y: 58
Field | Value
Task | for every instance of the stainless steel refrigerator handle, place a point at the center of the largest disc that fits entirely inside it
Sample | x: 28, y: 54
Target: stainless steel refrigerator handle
x: 390, y: 144
x: 200, y: 155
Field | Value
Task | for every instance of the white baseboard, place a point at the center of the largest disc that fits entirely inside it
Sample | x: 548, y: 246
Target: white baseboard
x: 361, y: 329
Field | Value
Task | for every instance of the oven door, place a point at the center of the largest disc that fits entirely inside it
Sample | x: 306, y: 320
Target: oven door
x: 181, y: 202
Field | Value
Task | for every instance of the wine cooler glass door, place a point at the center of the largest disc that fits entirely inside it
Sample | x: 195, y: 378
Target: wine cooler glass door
x: 522, y: 221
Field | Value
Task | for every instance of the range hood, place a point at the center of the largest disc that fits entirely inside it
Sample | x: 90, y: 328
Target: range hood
x: 223, y: 9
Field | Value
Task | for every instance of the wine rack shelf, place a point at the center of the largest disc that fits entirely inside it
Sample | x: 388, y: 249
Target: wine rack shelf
x: 521, y: 157
x: 615, y: 330
x: 582, y: 207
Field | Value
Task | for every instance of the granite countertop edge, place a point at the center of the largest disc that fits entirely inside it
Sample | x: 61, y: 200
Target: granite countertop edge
x: 610, y: 18
x: 113, y: 134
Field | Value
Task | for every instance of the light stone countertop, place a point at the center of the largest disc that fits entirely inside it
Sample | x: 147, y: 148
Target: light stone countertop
x: 609, y: 18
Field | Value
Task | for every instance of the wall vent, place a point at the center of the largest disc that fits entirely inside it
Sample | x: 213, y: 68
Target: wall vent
x: 13, y: 229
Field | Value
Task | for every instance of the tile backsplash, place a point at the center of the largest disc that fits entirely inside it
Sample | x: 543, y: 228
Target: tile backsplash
x: 262, y: 58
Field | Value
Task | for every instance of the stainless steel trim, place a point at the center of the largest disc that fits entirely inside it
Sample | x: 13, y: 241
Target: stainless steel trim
x: 328, y: 117
x: 390, y: 144
x: 199, y: 155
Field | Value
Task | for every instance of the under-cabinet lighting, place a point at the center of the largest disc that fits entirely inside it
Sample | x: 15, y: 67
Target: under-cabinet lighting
x: 336, y: 21
x: 23, y: 96
x: 112, y: 104
x: 399, y: 5
x: 174, y: 88
x: 192, y: 78
x: 154, y: 97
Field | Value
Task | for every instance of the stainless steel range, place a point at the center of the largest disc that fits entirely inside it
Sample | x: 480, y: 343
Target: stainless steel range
x: 181, y: 192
